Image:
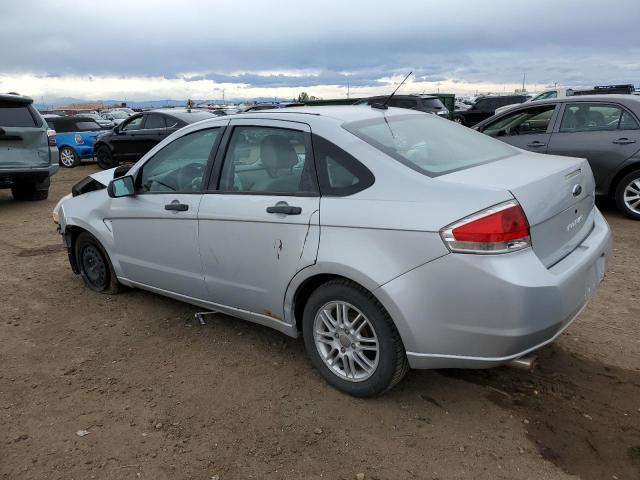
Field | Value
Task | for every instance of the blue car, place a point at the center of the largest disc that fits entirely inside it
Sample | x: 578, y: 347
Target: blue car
x: 75, y: 137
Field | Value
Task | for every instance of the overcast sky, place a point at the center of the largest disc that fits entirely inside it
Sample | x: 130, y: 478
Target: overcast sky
x: 140, y: 50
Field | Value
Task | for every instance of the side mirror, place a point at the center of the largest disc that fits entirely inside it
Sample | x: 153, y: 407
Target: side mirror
x: 121, y: 187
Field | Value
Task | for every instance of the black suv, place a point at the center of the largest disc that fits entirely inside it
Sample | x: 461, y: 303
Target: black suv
x: 138, y: 134
x: 422, y: 103
x: 28, y: 152
x: 485, y: 107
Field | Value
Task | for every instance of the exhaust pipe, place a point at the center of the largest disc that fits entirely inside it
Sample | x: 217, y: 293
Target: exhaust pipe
x: 523, y: 363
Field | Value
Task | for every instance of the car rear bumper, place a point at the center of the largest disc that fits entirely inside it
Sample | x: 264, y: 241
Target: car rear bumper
x: 20, y: 173
x: 472, y: 311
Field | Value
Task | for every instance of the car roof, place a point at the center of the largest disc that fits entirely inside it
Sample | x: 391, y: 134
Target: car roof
x: 188, y: 115
x: 621, y: 98
x: 340, y: 113
x: 14, y: 97
x: 407, y: 95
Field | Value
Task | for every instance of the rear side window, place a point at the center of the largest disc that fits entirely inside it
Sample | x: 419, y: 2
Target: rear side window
x: 428, y: 145
x: 403, y: 103
x: 14, y: 114
x: 86, y: 126
x: 522, y: 122
x: 585, y: 117
x: 339, y: 173
x: 154, y: 122
x: 432, y: 103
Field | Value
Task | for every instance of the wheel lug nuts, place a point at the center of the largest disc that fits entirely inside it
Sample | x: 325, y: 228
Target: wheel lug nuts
x: 342, y: 349
x: 353, y: 345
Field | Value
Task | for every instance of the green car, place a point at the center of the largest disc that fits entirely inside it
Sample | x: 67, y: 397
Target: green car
x: 28, y: 152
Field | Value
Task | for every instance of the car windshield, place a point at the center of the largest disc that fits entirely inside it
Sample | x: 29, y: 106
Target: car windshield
x: 433, y: 103
x: 429, y: 145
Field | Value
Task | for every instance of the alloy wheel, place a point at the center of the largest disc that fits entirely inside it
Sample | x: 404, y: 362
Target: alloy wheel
x: 346, y: 341
x: 631, y: 196
x: 67, y: 157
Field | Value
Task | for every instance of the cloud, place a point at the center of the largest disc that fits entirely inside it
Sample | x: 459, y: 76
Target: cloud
x: 281, y: 44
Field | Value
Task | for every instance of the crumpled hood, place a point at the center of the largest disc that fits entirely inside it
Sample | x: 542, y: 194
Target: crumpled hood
x: 104, y: 177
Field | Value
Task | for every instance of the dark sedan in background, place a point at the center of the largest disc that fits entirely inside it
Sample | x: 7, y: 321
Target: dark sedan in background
x: 138, y: 134
x: 604, y: 129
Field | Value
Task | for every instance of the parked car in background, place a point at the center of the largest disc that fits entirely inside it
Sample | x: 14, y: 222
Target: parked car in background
x: 562, y: 92
x: 281, y: 213
x: 421, y: 103
x: 114, y: 116
x: 75, y: 137
x: 138, y: 134
x: 106, y: 124
x: 269, y: 106
x: 604, y: 129
x: 28, y: 151
x: 484, y: 107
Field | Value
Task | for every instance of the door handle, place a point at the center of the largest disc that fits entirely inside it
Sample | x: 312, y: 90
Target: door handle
x: 285, y: 209
x: 176, y: 206
x: 623, y: 141
x: 536, y: 144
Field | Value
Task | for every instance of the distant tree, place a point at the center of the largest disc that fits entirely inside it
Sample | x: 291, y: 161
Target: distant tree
x: 303, y: 97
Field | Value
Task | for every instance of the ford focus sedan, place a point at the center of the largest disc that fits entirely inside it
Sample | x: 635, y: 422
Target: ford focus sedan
x: 386, y: 238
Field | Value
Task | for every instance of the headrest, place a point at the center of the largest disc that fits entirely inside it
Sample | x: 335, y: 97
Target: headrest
x: 277, y: 152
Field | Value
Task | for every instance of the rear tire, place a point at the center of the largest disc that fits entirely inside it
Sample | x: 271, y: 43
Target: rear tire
x: 627, y: 195
x: 104, y: 157
x: 31, y: 190
x: 68, y: 157
x: 94, y: 264
x: 459, y: 119
x: 368, y: 355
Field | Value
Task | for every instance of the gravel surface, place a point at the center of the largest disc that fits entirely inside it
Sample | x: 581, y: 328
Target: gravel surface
x: 129, y: 387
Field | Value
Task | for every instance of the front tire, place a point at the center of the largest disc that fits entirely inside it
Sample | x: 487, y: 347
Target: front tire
x: 627, y: 195
x: 459, y: 119
x: 105, y: 158
x: 95, y: 268
x: 68, y: 157
x: 351, y: 339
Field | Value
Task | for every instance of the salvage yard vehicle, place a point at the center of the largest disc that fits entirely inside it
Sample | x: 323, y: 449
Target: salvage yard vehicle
x: 75, y: 137
x: 485, y: 107
x: 139, y: 133
x: 28, y: 152
x: 422, y: 103
x: 388, y: 238
x: 604, y: 129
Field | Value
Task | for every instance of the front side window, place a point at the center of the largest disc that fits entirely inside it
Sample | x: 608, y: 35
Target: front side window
x: 133, y: 124
x: 268, y: 160
x: 339, y: 173
x: 522, y: 122
x: 590, y: 117
x: 180, y: 166
x: 427, y: 145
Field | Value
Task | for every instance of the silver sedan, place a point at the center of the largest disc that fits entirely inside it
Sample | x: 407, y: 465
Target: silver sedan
x: 387, y: 238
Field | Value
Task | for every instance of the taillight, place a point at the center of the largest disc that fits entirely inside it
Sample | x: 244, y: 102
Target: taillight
x: 51, y: 136
x: 79, y: 140
x: 498, y: 229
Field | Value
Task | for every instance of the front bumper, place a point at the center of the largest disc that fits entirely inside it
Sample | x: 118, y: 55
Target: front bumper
x: 472, y: 311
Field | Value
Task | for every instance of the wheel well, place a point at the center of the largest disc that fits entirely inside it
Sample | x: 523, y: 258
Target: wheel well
x: 71, y: 233
x: 616, y: 179
x: 305, y: 290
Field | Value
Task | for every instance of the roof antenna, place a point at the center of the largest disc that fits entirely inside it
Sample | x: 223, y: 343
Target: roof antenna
x: 383, y: 106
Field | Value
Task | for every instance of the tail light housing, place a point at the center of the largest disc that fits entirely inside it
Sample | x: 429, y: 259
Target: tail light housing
x: 79, y: 140
x: 499, y: 229
x: 51, y: 137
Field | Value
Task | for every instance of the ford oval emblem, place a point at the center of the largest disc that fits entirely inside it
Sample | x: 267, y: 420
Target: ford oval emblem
x: 577, y: 190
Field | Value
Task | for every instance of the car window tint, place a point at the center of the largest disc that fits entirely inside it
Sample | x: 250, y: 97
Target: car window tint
x: 339, y: 173
x: 16, y: 115
x: 522, y: 122
x: 428, y: 145
x: 267, y: 160
x: 432, y: 103
x: 135, y: 124
x: 482, y: 104
x: 585, y: 117
x: 180, y: 165
x: 154, y: 121
x: 628, y: 122
x: 171, y: 122
x: 403, y: 103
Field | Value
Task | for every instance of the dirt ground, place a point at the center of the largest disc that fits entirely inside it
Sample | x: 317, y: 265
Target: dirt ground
x: 164, y: 398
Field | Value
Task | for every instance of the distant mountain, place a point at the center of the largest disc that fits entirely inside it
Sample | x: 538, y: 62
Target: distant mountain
x: 150, y: 103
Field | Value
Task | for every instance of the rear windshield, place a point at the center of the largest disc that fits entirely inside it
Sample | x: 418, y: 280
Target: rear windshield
x: 433, y: 103
x: 16, y: 115
x: 429, y: 145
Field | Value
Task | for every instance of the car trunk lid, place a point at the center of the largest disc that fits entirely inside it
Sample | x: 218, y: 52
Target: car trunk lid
x: 23, y: 142
x: 556, y: 194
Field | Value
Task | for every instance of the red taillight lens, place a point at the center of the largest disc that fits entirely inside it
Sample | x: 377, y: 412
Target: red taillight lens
x: 499, y: 229
x: 51, y: 136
